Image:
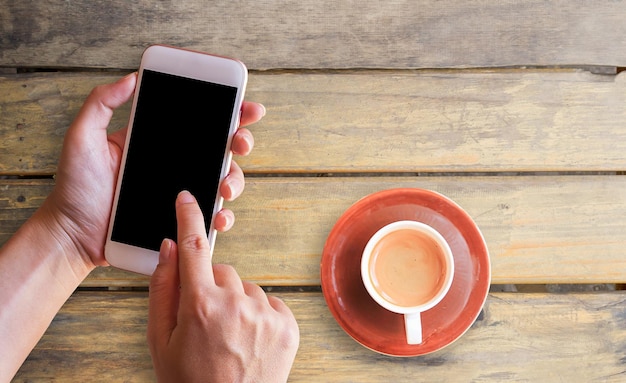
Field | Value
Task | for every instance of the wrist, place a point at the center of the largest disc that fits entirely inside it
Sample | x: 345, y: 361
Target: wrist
x: 52, y: 229
x: 40, y: 267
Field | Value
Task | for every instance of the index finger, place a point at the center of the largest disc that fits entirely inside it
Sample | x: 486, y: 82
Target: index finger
x: 194, y: 250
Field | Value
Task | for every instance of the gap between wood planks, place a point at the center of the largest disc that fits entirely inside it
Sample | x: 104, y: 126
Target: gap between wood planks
x: 508, y: 288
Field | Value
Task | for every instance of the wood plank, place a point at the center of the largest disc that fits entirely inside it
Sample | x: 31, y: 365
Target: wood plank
x: 542, y: 229
x: 35, y: 112
x: 106, y: 342
x: 18, y: 201
x: 538, y: 229
x: 323, y: 34
x: 100, y: 336
x: 442, y: 121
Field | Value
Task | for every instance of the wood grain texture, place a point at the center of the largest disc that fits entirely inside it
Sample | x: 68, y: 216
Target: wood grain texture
x: 537, y: 229
x: 18, y: 201
x: 323, y: 34
x: 543, y: 229
x: 100, y: 336
x: 425, y: 107
x: 442, y: 121
x: 35, y: 112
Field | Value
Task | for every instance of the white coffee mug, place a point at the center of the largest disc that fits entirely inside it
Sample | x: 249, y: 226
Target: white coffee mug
x: 407, y: 267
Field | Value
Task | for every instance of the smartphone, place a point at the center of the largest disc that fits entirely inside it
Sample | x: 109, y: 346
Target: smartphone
x: 185, y: 111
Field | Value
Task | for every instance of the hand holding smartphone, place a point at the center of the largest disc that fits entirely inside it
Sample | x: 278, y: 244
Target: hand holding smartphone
x: 185, y: 112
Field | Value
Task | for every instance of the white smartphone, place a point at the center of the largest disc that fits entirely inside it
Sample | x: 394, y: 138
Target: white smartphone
x: 185, y: 111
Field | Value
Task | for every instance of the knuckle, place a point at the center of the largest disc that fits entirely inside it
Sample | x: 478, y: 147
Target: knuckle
x: 291, y: 337
x: 252, y: 289
x: 97, y: 92
x: 195, y: 243
x: 225, y: 270
x: 291, y: 333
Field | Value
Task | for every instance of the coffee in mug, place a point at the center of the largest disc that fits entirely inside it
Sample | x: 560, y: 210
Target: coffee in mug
x: 407, y: 267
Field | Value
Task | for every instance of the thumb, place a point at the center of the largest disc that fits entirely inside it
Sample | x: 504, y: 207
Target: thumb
x: 163, y: 296
x: 103, y: 99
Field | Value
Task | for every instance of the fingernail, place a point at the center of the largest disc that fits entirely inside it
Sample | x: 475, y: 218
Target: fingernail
x: 249, y: 140
x: 164, y: 252
x: 264, y: 110
x: 229, y: 221
x: 185, y: 197
x: 234, y: 185
x: 129, y: 75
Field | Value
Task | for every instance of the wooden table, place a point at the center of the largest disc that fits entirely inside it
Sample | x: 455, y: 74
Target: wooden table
x: 514, y: 109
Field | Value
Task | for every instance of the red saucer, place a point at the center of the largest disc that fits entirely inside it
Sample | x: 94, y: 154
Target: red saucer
x: 357, y: 313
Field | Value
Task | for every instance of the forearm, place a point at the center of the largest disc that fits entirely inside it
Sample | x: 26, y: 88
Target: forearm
x: 39, y: 270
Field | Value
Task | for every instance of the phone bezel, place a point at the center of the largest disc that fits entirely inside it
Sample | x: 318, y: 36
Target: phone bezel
x: 185, y: 63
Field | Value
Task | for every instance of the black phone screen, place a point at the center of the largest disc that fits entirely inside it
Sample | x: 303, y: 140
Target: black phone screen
x: 178, y: 140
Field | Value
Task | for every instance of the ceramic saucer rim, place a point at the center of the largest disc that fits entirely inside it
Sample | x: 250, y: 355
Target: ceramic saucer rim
x: 482, y: 256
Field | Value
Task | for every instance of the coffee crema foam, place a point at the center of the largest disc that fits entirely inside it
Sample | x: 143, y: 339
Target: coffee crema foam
x: 407, y: 268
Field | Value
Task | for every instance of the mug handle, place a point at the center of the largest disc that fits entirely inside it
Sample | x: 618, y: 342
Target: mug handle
x: 413, y: 328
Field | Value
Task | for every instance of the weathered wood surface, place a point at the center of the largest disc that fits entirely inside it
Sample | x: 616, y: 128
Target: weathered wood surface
x: 542, y: 229
x: 18, y: 201
x: 441, y: 121
x: 35, y: 112
x: 322, y: 34
x: 538, y: 229
x: 100, y: 336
